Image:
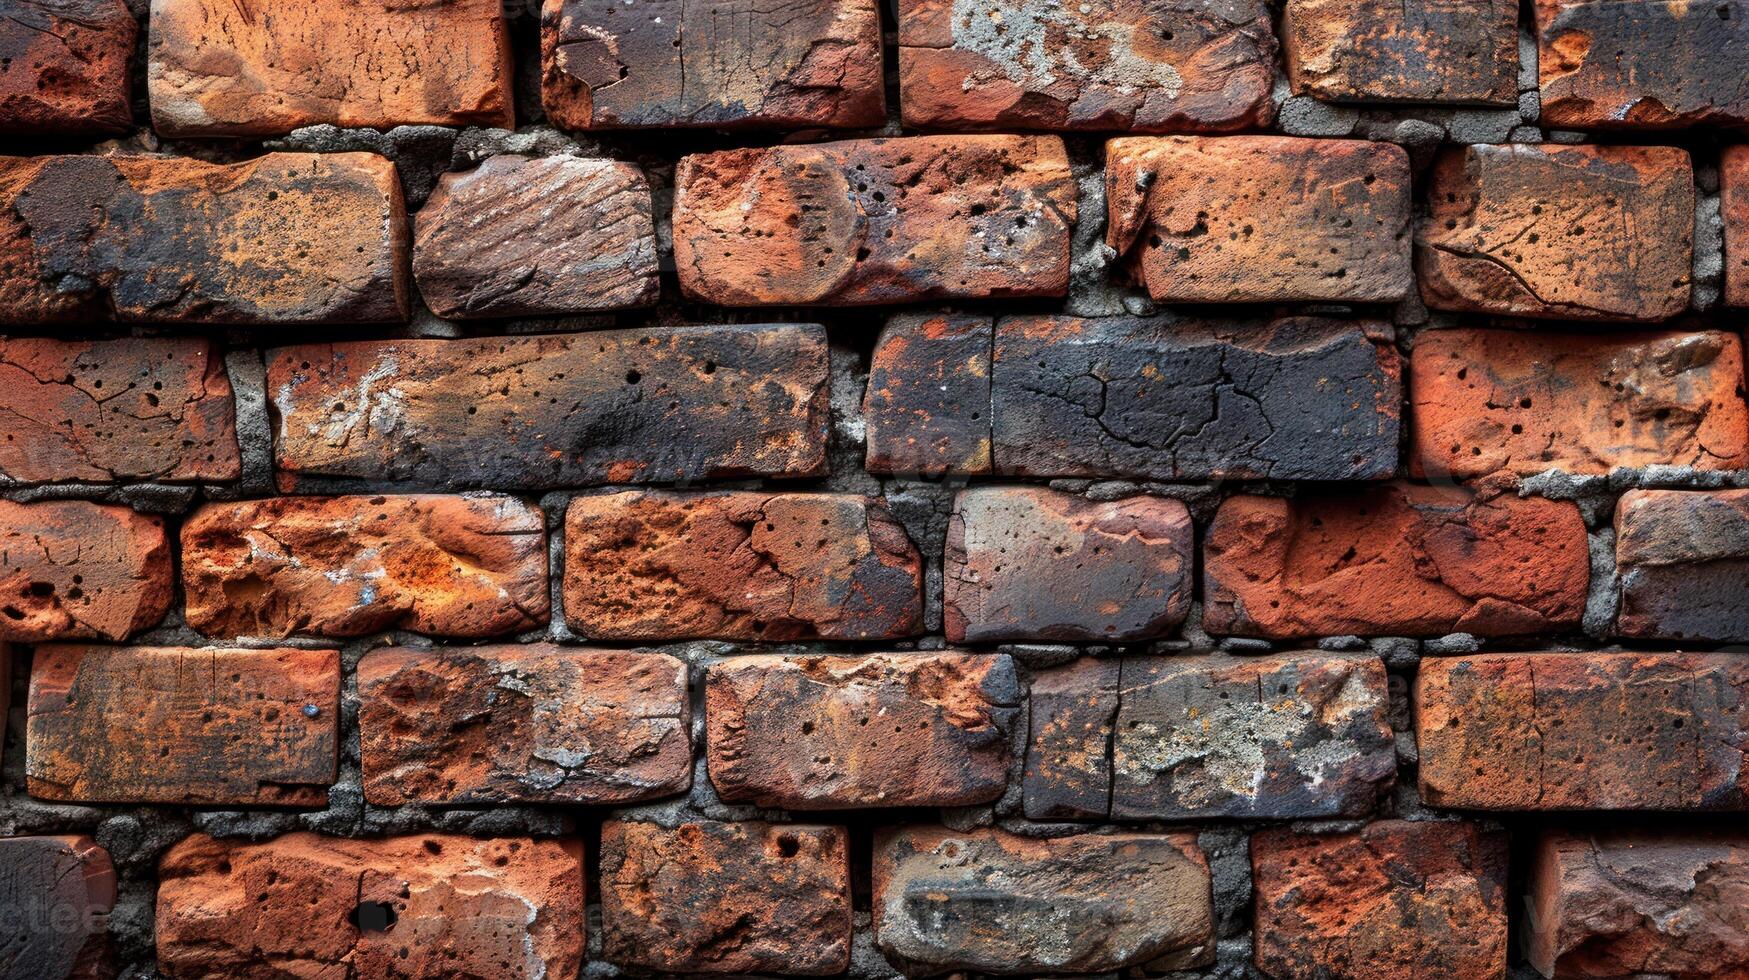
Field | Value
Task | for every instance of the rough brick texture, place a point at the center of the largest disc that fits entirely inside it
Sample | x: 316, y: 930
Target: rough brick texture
x: 71, y: 570
x: 1683, y: 557
x: 1394, y: 51
x: 928, y: 399
x: 59, y: 893
x: 65, y: 66
x: 1734, y: 213
x: 1661, y: 64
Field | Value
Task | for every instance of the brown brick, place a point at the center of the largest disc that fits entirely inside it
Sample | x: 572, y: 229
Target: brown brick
x: 1571, y: 232
x: 518, y: 236
x: 875, y: 221
x: 901, y: 729
x: 1657, y: 64
x: 647, y: 565
x: 1026, y: 563
x: 283, y: 238
x: 400, y: 908
x: 989, y: 901
x: 1521, y: 402
x: 928, y: 401
x: 350, y: 566
x: 1396, y: 51
x: 59, y: 893
x: 1186, y: 66
x: 72, y: 570
x: 101, y: 411
x: 1734, y: 210
x: 1394, y: 559
x: 1620, y: 903
x: 1242, y: 219
x: 667, y: 63
x: 621, y: 406
x: 1394, y: 899
x: 1584, y: 731
x: 232, y: 68
x: 726, y: 897
x: 1683, y: 558
x: 67, y: 67
x: 183, y: 725
x: 529, y: 723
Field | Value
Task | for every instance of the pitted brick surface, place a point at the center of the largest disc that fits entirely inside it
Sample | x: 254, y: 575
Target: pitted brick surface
x: 67, y: 66
x: 72, y: 570
x: 1659, y: 64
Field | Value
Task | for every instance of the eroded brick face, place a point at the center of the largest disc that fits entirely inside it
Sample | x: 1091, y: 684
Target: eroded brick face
x: 59, y: 890
x: 1660, y: 64
x: 72, y: 570
x: 1393, y: 51
x: 1683, y: 557
x: 67, y: 66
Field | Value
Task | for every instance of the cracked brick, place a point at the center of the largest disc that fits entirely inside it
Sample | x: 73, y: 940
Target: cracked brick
x: 59, y: 894
x: 65, y: 67
x: 1683, y: 558
x: 927, y: 407
x: 1426, y: 51
x: 1734, y: 210
x: 72, y: 570
x: 1658, y: 64
x: 197, y: 727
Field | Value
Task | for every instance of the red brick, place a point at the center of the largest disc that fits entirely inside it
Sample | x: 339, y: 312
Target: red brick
x: 283, y: 238
x: 1621, y: 903
x: 1394, y: 51
x: 1394, y: 899
x: 1395, y: 559
x: 1144, y: 65
x: 231, y: 68
x: 901, y: 729
x: 72, y: 570
x: 1734, y: 210
x: 1242, y: 219
x: 988, y: 901
x: 1570, y: 232
x: 1647, y: 65
x: 666, y: 63
x: 927, y: 407
x: 308, y: 905
x: 559, y: 410
x: 1584, y: 731
x: 181, y: 725
x: 531, y: 723
x: 1521, y: 402
x: 351, y: 566
x: 67, y: 67
x: 726, y: 898
x: 875, y: 221
x: 653, y: 565
x: 1683, y: 558
x: 59, y: 893
x: 103, y: 411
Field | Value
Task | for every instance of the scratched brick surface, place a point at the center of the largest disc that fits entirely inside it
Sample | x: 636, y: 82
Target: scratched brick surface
x: 1683, y: 557
x: 74, y: 570
x: 65, y: 67
x: 1661, y: 64
x: 59, y: 892
x: 1403, y: 50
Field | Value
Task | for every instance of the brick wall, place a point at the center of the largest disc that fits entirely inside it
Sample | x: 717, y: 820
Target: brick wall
x: 1170, y: 488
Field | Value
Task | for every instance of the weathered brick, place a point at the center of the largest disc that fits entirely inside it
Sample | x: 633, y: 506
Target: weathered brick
x: 1188, y: 66
x: 72, y: 570
x: 1071, y: 711
x: 231, y: 68
x: 101, y: 411
x: 1734, y: 211
x: 901, y: 729
x: 1572, y: 232
x: 1394, y: 899
x: 1521, y: 402
x: 1026, y: 563
x: 989, y: 901
x: 726, y: 897
x: 518, y: 236
x: 59, y: 893
x: 927, y: 407
x: 1395, y: 51
x: 1260, y: 218
x: 183, y: 725
x: 522, y: 723
x: 667, y: 63
x: 65, y: 67
x: 1619, y: 903
x: 1683, y: 558
x: 350, y: 566
x: 1657, y: 64
x: 282, y: 238
x: 875, y: 221
x: 623, y: 406
x: 399, y: 908
x: 1584, y: 731
x: 1394, y: 559
x: 648, y: 565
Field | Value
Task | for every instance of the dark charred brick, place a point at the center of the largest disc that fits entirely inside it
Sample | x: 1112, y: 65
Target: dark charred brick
x: 989, y: 901
x: 65, y: 67
x: 1185, y: 66
x: 875, y: 221
x: 900, y: 729
x: 283, y: 238
x: 1068, y: 757
x: 72, y: 570
x: 1570, y: 232
x: 1025, y: 563
x: 59, y: 893
x: 1397, y: 51
x: 1683, y: 558
x: 667, y: 63
x: 726, y: 897
x: 1734, y: 211
x: 1395, y: 559
x: 1244, y: 219
x: 1657, y: 64
x: 1584, y: 731
x: 308, y: 905
x: 739, y: 565
x: 622, y: 406
x: 1394, y: 899
x: 181, y: 725
x: 927, y: 408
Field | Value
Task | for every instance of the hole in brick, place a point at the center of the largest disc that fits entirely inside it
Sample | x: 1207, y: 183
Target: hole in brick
x: 372, y: 917
x: 633, y: 377
x: 788, y: 846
